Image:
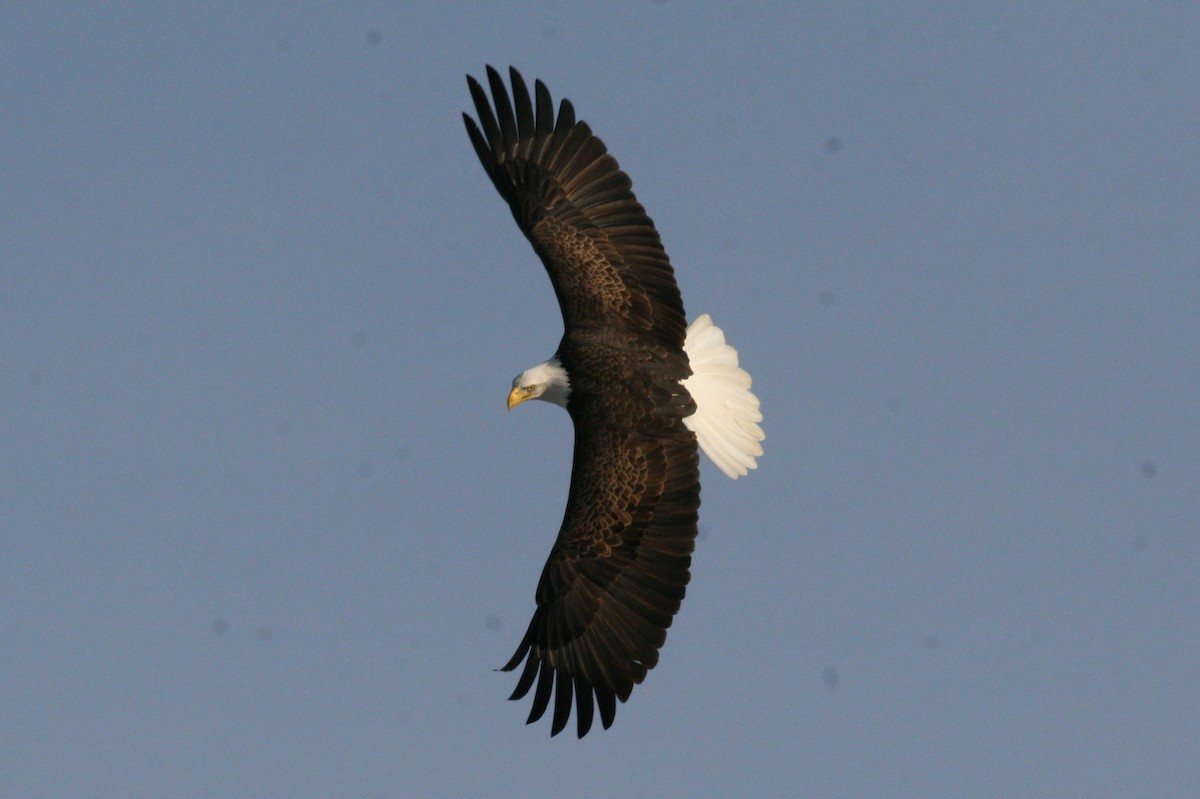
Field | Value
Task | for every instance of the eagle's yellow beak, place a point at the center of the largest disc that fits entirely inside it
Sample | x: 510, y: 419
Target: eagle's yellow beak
x: 516, y: 397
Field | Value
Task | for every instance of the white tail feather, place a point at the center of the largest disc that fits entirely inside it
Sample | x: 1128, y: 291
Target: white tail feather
x: 727, y: 413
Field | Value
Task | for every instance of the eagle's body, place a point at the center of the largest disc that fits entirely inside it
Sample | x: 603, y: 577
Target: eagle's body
x: 643, y: 390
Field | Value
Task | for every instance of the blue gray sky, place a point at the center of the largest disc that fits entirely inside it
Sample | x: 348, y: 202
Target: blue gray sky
x: 266, y: 528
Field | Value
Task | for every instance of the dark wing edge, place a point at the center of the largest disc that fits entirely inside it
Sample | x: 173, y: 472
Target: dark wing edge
x: 560, y: 181
x: 607, y: 596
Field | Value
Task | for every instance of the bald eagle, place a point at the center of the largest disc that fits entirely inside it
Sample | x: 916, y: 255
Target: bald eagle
x: 644, y: 392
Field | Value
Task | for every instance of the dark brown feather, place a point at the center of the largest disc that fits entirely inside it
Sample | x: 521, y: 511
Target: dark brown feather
x: 619, y: 569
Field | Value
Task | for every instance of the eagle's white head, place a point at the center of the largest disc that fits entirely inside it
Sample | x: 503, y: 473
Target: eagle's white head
x: 546, y: 381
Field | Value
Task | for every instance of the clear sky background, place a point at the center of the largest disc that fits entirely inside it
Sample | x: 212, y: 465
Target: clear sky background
x: 266, y: 528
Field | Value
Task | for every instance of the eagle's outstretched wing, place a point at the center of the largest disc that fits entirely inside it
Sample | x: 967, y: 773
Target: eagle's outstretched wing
x: 571, y: 199
x: 618, y: 570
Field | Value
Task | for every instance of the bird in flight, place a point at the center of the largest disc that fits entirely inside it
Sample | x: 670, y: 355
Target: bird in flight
x: 645, y: 392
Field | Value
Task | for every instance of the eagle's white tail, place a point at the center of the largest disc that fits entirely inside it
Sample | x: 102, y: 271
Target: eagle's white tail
x: 727, y: 415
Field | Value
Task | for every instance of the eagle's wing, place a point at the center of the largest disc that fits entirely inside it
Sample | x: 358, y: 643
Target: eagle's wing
x: 617, y: 572
x: 615, y: 577
x: 571, y: 199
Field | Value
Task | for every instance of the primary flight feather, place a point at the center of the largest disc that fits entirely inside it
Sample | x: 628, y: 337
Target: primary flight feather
x: 644, y: 392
